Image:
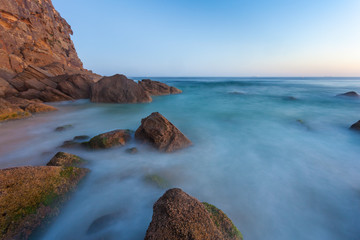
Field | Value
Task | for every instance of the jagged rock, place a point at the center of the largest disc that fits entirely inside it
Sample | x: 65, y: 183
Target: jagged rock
x: 156, y: 88
x: 161, y: 133
x: 53, y: 95
x: 178, y: 216
x: 349, y: 94
x: 63, y: 159
x: 33, y: 106
x: 6, y: 89
x: 9, y: 111
x: 118, y: 89
x: 31, y: 196
x: 356, y: 126
x: 109, y: 139
x: 77, y: 86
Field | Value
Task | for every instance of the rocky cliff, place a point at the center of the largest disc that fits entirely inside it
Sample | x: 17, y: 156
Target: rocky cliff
x: 34, y: 33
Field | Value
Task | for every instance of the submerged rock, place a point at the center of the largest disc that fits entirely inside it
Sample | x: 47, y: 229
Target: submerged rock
x: 349, y: 94
x: 31, y: 196
x: 157, y: 181
x: 118, y: 89
x: 65, y: 160
x: 63, y: 128
x: 178, y: 216
x: 356, y: 126
x: 161, y: 133
x: 156, y: 88
x: 132, y: 150
x: 104, y: 222
x: 81, y: 138
x: 109, y: 139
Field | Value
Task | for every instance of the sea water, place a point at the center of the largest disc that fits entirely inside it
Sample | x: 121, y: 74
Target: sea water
x: 275, y: 154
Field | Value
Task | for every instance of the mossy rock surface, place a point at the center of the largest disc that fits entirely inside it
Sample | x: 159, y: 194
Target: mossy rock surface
x: 64, y: 159
x: 109, y: 139
x: 20, y: 114
x: 223, y: 223
x: 31, y: 196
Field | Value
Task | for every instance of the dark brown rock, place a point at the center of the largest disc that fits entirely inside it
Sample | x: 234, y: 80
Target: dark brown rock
x: 77, y: 86
x: 178, y: 216
x: 31, y: 196
x: 110, y: 139
x: 118, y: 89
x: 6, y: 89
x: 162, y: 134
x: 356, y: 126
x: 155, y: 88
x: 349, y: 94
x: 63, y: 159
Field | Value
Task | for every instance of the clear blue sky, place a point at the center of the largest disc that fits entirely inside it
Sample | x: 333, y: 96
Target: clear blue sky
x: 216, y: 37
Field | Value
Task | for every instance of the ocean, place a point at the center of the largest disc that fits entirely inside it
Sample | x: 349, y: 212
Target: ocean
x: 275, y: 154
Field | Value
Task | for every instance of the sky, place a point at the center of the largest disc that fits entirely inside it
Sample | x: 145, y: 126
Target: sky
x: 242, y: 38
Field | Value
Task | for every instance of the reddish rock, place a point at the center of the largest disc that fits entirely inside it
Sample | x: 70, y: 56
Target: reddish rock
x: 162, y: 134
x: 64, y: 159
x: 156, y: 88
x: 6, y: 89
x: 77, y: 86
x: 9, y: 111
x: 178, y: 216
x: 110, y: 139
x: 118, y: 89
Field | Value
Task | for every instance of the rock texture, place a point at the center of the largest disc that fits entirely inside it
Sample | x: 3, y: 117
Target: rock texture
x: 33, y: 32
x: 10, y: 111
x: 178, y: 216
x: 63, y: 159
x: 356, y: 126
x: 109, y: 139
x: 161, y: 133
x: 30, y: 196
x: 118, y: 89
x: 349, y: 94
x: 155, y: 88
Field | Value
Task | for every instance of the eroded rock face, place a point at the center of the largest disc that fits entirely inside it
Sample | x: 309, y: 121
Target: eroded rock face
x: 178, y: 216
x: 77, y: 86
x: 349, y: 94
x: 109, y: 139
x: 30, y: 196
x: 9, y: 111
x: 33, y: 32
x: 356, y: 126
x: 155, y: 88
x: 118, y: 89
x: 161, y: 133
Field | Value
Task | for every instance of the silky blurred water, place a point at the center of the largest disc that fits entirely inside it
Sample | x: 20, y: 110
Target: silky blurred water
x: 281, y: 168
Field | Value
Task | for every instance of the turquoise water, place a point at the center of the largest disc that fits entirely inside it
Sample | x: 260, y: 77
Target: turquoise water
x: 280, y: 168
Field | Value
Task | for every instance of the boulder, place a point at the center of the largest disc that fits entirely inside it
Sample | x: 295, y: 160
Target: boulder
x: 31, y: 196
x: 161, y: 133
x: 109, y: 139
x: 63, y: 159
x: 349, y: 94
x: 118, y: 89
x: 32, y: 106
x: 155, y: 88
x: 178, y: 216
x: 77, y: 86
x: 356, y: 126
x: 9, y: 111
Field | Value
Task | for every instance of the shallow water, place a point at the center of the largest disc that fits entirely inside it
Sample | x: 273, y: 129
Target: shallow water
x: 280, y: 168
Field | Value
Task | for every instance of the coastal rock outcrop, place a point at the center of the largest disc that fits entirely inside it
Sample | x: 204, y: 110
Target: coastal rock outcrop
x: 31, y: 196
x: 64, y: 159
x: 10, y: 111
x: 356, y: 126
x: 161, y: 133
x: 178, y: 216
x: 349, y: 94
x: 118, y: 89
x: 109, y: 139
x: 155, y: 88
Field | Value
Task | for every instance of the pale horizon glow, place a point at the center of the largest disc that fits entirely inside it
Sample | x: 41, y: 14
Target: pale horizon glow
x: 234, y: 38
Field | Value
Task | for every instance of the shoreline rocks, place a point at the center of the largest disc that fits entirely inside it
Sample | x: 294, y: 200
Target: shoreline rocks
x: 161, y: 133
x: 155, y: 88
x: 178, y: 216
x: 109, y: 139
x: 64, y: 159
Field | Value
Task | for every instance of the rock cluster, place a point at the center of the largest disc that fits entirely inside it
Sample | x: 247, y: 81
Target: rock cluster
x: 178, y: 216
x: 155, y: 88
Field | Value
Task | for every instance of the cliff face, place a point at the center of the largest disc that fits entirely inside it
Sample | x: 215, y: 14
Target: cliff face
x: 32, y: 32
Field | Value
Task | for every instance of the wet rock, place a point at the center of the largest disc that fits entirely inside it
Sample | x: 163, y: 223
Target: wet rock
x: 9, y: 111
x: 104, y: 222
x: 178, y: 216
x: 132, y: 150
x: 161, y: 133
x: 63, y: 159
x: 349, y: 94
x: 118, y: 89
x: 63, y: 128
x: 290, y: 98
x: 157, y: 181
x: 39, y: 107
x: 81, y: 138
x: 155, y: 88
x: 236, y: 93
x: 110, y: 139
x: 356, y: 126
x: 71, y: 144
x: 31, y: 196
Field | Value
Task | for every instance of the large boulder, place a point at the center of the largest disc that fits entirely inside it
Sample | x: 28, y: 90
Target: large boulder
x: 178, y: 216
x: 118, y: 89
x: 64, y: 159
x: 109, y: 139
x: 356, y: 126
x: 155, y: 88
x: 161, y: 133
x: 77, y: 86
x: 31, y: 196
x: 349, y: 94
